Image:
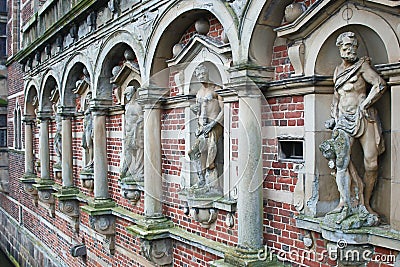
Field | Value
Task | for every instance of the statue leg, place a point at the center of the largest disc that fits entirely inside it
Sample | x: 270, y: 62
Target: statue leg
x: 343, y: 143
x: 370, y: 163
x: 195, y: 156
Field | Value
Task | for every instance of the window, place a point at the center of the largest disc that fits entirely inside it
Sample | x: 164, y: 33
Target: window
x: 3, y: 6
x: 17, y: 128
x: 291, y: 150
x: 3, y: 130
x: 3, y: 42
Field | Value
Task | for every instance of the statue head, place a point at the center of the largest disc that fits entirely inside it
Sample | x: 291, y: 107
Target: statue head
x: 348, y: 44
x: 129, y: 92
x: 201, y: 73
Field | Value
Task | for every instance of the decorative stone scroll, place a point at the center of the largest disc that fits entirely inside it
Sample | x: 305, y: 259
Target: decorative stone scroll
x: 354, y: 117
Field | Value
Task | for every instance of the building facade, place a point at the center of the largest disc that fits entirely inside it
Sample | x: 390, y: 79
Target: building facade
x: 188, y: 133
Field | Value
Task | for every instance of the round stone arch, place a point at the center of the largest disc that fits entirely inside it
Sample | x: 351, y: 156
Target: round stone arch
x: 261, y: 19
x: 50, y: 81
x: 72, y: 72
x: 110, y: 54
x: 31, y: 91
x: 370, y: 28
x: 162, y: 38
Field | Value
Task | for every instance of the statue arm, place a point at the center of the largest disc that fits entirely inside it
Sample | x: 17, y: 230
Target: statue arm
x: 377, y: 89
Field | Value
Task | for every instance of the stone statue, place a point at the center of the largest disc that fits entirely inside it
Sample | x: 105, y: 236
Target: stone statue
x: 210, y: 114
x: 57, y: 138
x: 87, y: 138
x: 353, y: 117
x: 133, y: 164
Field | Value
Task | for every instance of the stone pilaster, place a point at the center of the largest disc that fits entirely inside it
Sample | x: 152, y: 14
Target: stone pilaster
x: 250, y: 195
x: 44, y: 151
x: 67, y: 153
x: 152, y: 162
x: 29, y: 162
x: 100, y: 155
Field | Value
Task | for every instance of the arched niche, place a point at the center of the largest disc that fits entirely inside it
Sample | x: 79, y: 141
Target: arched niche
x: 172, y: 25
x: 258, y: 46
x: 214, y: 72
x: 114, y: 57
x: 369, y: 44
x: 75, y: 74
x: 49, y: 84
x: 31, y: 100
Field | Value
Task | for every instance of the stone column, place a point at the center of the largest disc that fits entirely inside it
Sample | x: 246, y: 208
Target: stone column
x: 250, y: 188
x: 152, y: 162
x: 29, y: 164
x: 394, y: 157
x: 100, y: 155
x: 66, y: 158
x: 44, y: 151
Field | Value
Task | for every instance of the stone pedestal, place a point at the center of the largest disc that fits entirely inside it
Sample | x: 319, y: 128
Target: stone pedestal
x: 87, y: 180
x: 28, y: 181
x: 132, y: 190
x: 103, y: 221
x: 45, y: 192
x: 68, y: 204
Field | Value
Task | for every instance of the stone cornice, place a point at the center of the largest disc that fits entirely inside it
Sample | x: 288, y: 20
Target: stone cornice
x: 299, y: 86
x: 320, y: 11
x: 60, y: 24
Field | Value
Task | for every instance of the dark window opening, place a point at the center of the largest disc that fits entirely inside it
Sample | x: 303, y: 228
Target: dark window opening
x: 291, y: 150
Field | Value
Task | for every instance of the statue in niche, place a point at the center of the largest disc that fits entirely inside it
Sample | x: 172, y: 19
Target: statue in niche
x: 354, y: 117
x: 87, y: 138
x: 209, y: 109
x: 133, y: 163
x: 57, y: 137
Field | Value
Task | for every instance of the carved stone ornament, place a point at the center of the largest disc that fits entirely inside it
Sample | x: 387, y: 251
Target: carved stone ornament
x: 158, y: 251
x: 207, y: 149
x: 132, y: 191
x: 353, y: 117
x: 71, y: 209
x: 206, y: 217
x: 87, y: 181
x: 46, y: 197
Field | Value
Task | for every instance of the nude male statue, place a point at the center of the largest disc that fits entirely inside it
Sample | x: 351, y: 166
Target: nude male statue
x: 210, y: 114
x: 353, y: 117
x: 132, y: 167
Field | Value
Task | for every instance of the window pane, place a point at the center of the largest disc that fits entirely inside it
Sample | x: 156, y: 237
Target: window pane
x: 3, y: 120
x: 3, y: 138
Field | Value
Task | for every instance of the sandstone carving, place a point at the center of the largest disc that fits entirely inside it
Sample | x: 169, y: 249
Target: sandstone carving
x: 210, y: 113
x: 354, y: 117
x: 133, y: 163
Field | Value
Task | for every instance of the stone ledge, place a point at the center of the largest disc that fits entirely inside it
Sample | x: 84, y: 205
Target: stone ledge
x: 381, y: 236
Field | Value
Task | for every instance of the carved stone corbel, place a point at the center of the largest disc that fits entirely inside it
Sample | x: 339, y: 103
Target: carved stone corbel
x: 132, y: 191
x: 87, y: 180
x: 28, y: 183
x: 45, y: 195
x: 206, y: 217
x: 296, y: 56
x: 71, y: 209
x: 105, y: 224
x: 158, y: 251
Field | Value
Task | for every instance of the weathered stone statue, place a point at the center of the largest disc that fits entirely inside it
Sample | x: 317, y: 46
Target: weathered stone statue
x: 87, y: 138
x: 210, y: 114
x: 57, y: 139
x: 133, y: 164
x: 353, y: 117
